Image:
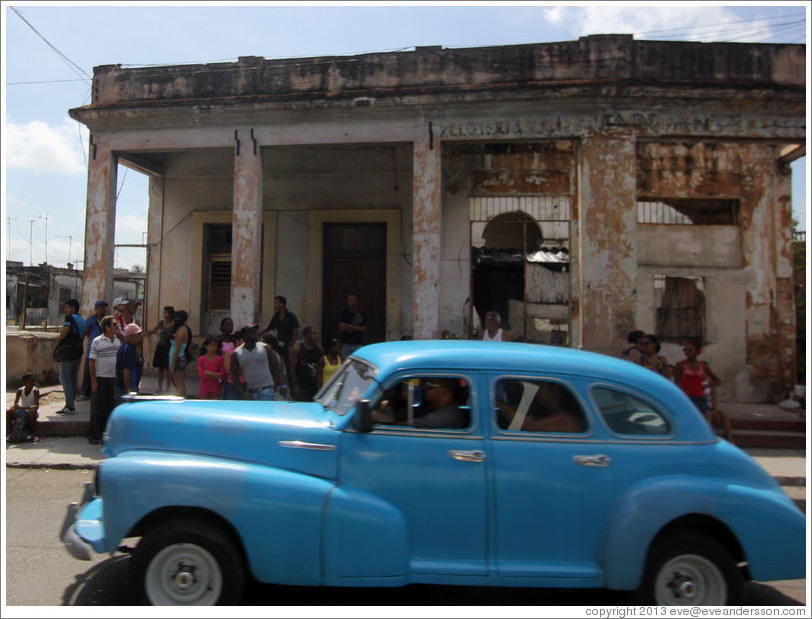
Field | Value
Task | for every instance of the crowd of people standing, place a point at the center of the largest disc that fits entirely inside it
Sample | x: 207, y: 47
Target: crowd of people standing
x: 248, y: 363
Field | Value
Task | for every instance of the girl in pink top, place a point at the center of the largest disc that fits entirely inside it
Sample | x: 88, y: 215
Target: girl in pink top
x: 211, y: 370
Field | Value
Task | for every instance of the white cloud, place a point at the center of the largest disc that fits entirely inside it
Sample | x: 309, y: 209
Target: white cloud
x: 663, y: 22
x: 130, y: 227
x: 36, y: 145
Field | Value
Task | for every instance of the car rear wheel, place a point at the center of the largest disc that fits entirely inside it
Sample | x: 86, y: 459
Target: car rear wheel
x: 188, y: 562
x: 691, y: 570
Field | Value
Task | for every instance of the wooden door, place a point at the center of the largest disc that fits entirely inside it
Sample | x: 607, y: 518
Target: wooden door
x: 354, y: 261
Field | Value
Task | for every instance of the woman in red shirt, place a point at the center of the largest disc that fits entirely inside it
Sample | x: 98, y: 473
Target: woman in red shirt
x: 694, y: 377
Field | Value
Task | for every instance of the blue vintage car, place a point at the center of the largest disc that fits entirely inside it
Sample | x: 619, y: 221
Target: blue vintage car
x: 445, y: 462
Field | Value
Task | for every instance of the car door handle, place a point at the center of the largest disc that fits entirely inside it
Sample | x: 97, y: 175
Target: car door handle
x: 597, y: 460
x: 476, y: 455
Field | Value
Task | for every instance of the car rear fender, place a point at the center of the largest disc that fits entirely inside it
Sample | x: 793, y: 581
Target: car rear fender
x: 763, y: 523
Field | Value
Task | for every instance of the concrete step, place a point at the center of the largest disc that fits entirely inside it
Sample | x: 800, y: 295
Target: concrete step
x: 768, y: 439
x: 776, y: 425
x: 796, y: 493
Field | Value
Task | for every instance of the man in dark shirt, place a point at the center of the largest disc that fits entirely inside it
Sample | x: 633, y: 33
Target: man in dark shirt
x: 286, y: 326
x: 352, y: 324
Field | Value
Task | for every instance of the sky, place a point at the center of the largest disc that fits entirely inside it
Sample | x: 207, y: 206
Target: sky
x: 50, y: 49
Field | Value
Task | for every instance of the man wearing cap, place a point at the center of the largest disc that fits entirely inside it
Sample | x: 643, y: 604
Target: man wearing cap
x: 129, y: 365
x: 258, y: 365
x: 441, y: 395
x: 93, y: 330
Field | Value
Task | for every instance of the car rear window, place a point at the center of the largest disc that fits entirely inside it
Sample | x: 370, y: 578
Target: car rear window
x: 629, y: 415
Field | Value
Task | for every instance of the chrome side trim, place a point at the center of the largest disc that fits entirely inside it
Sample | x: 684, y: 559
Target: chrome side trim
x: 303, y: 445
x: 474, y: 455
x: 600, y: 460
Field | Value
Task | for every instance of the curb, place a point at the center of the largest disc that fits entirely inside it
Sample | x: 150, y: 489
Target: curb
x: 57, y: 467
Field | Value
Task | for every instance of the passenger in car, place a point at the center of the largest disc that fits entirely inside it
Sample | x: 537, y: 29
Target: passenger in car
x: 539, y: 406
x: 393, y: 407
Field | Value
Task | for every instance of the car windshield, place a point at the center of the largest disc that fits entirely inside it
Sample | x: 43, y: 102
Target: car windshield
x: 347, y: 386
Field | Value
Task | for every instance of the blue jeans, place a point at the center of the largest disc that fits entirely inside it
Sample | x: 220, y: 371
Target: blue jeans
x: 348, y: 349
x: 69, y: 379
x: 264, y: 394
x: 701, y: 402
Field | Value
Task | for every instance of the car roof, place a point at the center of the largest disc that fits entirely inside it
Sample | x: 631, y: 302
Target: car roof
x: 503, y: 357
x: 522, y: 358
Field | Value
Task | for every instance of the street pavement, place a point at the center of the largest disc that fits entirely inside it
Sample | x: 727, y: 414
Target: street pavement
x: 63, y: 443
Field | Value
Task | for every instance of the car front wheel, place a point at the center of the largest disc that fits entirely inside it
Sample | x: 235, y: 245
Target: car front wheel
x: 691, y: 570
x: 188, y: 562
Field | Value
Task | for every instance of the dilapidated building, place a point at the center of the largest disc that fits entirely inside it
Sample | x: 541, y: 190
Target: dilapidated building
x: 583, y: 189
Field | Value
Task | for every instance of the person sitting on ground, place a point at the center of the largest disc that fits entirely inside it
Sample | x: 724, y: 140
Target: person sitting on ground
x: 26, y: 399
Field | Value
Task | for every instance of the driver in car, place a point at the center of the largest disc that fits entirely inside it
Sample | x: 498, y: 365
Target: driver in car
x: 441, y: 396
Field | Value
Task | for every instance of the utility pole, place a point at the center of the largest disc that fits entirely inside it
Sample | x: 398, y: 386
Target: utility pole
x: 8, y: 237
x: 30, y: 240
x: 46, y: 236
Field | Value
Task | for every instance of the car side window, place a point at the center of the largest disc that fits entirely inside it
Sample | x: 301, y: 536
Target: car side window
x: 440, y: 402
x: 626, y: 414
x: 538, y: 406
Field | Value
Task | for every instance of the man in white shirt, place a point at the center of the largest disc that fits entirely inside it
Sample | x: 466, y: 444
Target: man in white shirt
x: 257, y: 362
x: 103, y: 354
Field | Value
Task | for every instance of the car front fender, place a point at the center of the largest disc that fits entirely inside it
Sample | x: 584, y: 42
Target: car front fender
x: 769, y: 527
x: 366, y: 540
x: 277, y: 514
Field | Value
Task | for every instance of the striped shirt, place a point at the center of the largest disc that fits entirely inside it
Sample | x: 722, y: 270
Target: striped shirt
x: 104, y: 352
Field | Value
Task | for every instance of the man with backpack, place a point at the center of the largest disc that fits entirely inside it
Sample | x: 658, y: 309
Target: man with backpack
x: 70, y: 353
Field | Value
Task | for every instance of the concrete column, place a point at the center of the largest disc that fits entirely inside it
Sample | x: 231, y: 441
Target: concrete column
x: 246, y: 249
x: 153, y: 312
x: 766, y: 224
x: 608, y: 232
x: 426, y: 219
x: 100, y: 222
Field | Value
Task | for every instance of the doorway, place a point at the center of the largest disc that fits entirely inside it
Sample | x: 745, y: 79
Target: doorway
x: 354, y: 260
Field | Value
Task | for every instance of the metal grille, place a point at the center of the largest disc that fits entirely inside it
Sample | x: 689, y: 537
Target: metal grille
x: 540, y: 208
x: 688, y: 211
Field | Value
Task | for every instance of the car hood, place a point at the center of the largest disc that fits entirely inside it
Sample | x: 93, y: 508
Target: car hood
x: 294, y: 436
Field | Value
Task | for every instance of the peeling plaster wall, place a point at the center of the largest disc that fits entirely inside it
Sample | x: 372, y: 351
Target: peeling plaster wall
x: 645, y: 119
x: 740, y: 264
x: 608, y: 228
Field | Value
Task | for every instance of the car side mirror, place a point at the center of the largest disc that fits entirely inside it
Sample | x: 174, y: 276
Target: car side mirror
x: 362, y: 421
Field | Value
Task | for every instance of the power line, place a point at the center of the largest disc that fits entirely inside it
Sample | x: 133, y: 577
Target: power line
x: 74, y: 67
x: 728, y: 23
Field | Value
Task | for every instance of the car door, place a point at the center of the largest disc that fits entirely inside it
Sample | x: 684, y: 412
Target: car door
x: 552, y: 481
x: 435, y: 476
